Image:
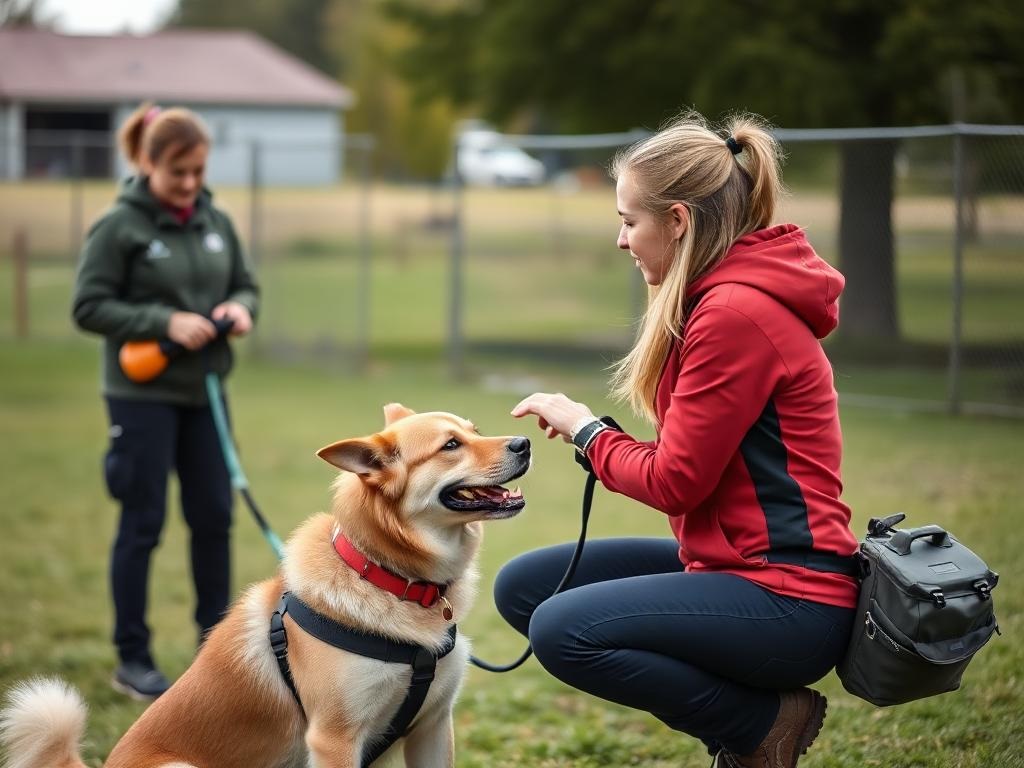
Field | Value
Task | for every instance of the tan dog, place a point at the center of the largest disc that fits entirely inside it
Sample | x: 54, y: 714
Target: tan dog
x: 410, y: 499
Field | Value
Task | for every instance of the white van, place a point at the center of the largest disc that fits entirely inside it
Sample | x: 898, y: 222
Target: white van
x: 487, y: 158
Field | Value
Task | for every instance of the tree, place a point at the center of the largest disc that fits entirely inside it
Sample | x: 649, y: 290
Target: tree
x: 22, y: 13
x: 352, y: 41
x: 825, y: 63
x: 297, y: 26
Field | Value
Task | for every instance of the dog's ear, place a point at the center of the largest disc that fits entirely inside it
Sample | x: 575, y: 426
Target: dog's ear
x: 395, y: 411
x: 361, y: 456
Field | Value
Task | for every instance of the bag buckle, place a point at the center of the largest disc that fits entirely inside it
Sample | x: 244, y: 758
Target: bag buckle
x: 984, y: 590
x: 939, y: 598
x: 883, y: 526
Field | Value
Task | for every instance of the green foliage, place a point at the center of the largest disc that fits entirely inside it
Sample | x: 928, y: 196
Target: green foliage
x: 23, y: 13
x: 297, y: 26
x: 354, y: 42
x: 622, y: 63
x: 413, y: 133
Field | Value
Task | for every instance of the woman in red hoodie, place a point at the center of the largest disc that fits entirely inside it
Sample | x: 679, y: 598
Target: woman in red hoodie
x: 717, y: 631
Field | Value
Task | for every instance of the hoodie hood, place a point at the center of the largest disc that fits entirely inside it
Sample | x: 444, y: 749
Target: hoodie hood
x: 779, y: 262
x: 135, y: 191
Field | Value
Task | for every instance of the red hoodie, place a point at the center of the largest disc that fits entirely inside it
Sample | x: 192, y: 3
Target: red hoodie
x: 746, y: 463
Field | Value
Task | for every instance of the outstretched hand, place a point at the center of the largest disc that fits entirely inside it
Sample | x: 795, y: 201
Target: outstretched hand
x: 556, y: 414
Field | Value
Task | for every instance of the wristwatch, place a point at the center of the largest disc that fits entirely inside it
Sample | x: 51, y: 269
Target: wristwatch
x: 583, y: 436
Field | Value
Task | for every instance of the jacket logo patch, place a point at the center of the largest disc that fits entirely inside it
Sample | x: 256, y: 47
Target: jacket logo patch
x: 213, y: 242
x: 157, y: 250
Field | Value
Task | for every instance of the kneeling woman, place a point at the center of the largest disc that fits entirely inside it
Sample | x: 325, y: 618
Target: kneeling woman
x: 718, y: 630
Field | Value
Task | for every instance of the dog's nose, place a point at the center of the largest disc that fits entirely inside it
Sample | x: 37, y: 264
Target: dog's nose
x: 519, y: 445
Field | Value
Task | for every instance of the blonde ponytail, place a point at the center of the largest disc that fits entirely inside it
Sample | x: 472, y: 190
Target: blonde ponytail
x: 728, y: 194
x: 761, y: 157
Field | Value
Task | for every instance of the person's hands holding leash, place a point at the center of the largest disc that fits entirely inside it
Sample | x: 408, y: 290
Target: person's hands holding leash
x: 191, y: 330
x: 556, y: 414
x: 232, y: 310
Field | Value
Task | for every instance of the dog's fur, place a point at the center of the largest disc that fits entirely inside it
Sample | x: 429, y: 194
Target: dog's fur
x: 232, y: 709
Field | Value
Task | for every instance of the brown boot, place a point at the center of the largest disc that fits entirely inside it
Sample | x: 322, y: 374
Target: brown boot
x: 801, y: 714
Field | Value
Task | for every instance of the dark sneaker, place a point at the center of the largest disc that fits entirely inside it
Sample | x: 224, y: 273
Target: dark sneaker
x: 142, y: 682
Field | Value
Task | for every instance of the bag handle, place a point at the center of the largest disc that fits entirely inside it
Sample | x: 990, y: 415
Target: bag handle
x: 901, y: 540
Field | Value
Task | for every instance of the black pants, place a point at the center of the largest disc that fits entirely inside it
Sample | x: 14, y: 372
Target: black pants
x: 148, y: 440
x: 706, y: 653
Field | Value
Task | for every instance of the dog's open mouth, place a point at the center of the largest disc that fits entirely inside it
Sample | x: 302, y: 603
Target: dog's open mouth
x: 493, y: 500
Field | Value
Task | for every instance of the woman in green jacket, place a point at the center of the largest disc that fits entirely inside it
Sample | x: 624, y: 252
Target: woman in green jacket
x: 164, y: 263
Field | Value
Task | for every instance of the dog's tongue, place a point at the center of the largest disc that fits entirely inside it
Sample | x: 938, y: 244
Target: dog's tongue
x: 491, y: 492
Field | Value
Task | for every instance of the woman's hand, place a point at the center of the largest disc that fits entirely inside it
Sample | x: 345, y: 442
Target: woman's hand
x: 556, y: 414
x: 191, y: 330
x: 236, y: 312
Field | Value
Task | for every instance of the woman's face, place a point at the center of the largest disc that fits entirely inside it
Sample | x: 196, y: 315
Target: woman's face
x: 650, y: 240
x: 177, y: 180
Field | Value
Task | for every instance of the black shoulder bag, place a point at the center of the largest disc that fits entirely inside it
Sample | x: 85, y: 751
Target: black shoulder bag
x: 925, y: 609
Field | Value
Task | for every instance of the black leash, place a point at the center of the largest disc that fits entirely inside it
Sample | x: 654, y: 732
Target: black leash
x: 588, y: 498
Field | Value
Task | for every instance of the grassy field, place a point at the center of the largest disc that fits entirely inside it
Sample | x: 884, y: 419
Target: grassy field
x: 58, y: 523
x: 540, y: 269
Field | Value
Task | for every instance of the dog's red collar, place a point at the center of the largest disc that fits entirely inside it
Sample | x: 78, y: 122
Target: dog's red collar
x: 425, y: 593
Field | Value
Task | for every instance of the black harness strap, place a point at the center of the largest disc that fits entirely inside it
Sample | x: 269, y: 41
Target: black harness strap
x: 279, y: 644
x: 422, y: 660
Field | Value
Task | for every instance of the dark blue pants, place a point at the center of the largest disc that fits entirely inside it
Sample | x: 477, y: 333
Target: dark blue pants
x: 706, y: 653
x: 148, y: 440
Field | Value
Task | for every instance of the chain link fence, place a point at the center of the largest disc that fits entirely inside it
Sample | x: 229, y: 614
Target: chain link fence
x: 926, y: 223
x: 511, y: 274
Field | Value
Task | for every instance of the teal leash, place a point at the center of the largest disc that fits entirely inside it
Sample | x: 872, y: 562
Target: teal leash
x: 238, y: 478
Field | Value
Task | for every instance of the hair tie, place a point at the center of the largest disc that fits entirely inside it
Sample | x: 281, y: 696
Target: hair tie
x: 150, y: 115
x: 733, y: 145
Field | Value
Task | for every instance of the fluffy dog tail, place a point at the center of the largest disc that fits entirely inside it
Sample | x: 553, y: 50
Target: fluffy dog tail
x: 41, y: 725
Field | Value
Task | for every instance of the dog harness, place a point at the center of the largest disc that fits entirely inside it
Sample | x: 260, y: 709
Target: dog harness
x: 422, y: 660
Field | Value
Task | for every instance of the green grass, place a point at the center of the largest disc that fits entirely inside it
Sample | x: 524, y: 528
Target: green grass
x: 58, y: 523
x: 584, y: 300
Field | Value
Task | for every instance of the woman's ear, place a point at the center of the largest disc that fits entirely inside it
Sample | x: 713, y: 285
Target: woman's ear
x: 678, y: 220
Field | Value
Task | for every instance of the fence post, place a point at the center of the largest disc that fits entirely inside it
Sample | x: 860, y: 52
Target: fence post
x: 365, y: 255
x: 455, y: 340
x: 956, y: 335
x: 77, y: 203
x: 19, y: 254
x: 255, y: 187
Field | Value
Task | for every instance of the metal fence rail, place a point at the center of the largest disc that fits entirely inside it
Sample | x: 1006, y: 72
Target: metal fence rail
x: 482, y: 276
x: 957, y: 215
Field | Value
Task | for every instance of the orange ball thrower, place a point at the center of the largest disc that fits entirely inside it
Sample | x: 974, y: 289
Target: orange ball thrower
x: 143, y: 361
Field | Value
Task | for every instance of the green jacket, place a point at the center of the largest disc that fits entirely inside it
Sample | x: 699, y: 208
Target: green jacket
x: 139, y: 265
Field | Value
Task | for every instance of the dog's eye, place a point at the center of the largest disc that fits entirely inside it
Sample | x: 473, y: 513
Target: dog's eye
x: 451, y: 445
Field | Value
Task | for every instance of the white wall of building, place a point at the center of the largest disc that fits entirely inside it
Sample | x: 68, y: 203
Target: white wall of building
x: 12, y: 157
x: 295, y: 146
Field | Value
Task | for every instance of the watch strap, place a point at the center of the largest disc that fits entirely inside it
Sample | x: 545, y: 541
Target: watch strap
x: 586, y: 434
